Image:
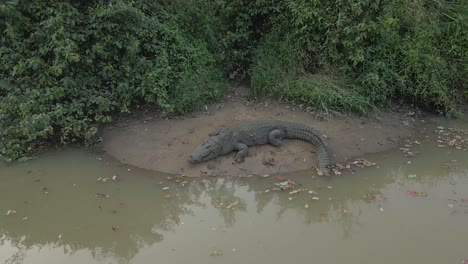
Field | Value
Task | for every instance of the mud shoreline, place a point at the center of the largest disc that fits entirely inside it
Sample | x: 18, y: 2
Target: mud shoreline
x: 153, y: 142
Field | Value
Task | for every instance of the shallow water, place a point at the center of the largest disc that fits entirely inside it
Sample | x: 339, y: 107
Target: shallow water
x: 363, y: 217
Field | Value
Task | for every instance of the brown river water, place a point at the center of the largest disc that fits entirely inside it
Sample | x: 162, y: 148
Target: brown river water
x: 67, y: 207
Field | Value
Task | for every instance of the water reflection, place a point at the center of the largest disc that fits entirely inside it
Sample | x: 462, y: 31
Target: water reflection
x: 58, y: 214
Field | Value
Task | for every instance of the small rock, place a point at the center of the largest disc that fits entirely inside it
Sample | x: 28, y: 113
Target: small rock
x: 268, y: 160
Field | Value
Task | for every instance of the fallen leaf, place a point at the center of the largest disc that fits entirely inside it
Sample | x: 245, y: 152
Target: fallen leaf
x: 294, y: 191
x: 323, y: 214
x: 37, y: 180
x: 216, y: 252
x: 9, y: 212
x: 280, y: 178
x: 420, y: 194
x: 319, y: 172
x: 167, y: 196
x: 232, y: 204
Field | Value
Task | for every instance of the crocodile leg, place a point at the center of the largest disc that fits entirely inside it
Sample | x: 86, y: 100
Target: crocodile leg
x: 243, y: 151
x: 275, y: 137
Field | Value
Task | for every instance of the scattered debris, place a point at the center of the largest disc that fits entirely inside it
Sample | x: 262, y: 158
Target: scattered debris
x: 315, y: 198
x: 452, y: 137
x: 373, y: 197
x: 412, y: 192
x: 9, y: 212
x: 114, y: 178
x: 286, y: 185
x: 411, y: 176
x: 295, y: 191
x: 102, y: 195
x: 337, y: 168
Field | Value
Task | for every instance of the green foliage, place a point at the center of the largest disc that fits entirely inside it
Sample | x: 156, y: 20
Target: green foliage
x: 66, y: 67
x: 405, y: 49
x: 279, y: 71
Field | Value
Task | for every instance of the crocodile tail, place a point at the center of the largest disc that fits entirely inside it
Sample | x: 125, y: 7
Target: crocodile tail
x: 310, y: 135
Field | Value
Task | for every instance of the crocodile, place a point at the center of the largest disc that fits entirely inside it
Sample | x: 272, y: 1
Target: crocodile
x: 243, y: 134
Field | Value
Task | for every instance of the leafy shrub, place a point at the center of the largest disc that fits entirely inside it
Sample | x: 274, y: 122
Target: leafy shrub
x: 66, y: 67
x: 279, y: 70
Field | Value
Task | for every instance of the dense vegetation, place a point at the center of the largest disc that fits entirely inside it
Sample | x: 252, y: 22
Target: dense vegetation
x: 68, y: 66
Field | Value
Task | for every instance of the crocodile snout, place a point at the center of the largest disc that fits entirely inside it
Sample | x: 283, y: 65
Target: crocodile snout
x: 193, y: 160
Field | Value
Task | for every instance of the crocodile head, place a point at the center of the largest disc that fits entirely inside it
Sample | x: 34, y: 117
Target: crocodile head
x: 209, y: 149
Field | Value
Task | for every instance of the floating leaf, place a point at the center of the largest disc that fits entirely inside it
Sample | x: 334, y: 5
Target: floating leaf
x: 232, y: 204
x: 216, y: 252
x: 9, y: 212
x: 295, y: 191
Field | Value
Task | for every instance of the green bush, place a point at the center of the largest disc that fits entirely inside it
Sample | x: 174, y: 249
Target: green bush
x: 279, y: 71
x: 68, y: 66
